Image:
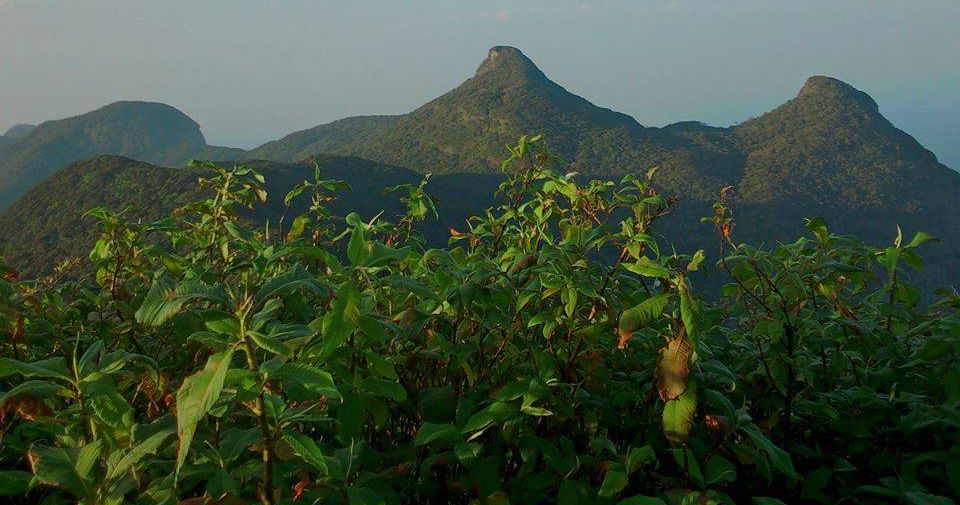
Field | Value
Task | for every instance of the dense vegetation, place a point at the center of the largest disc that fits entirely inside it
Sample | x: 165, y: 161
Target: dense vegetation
x: 40, y: 232
x: 552, y: 352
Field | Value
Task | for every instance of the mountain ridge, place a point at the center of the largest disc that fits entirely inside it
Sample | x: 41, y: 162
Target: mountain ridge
x: 826, y: 152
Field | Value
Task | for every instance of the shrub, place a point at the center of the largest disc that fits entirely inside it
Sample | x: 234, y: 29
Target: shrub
x: 552, y: 352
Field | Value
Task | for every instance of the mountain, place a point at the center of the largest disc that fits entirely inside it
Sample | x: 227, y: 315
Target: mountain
x: 14, y: 133
x: 18, y: 131
x: 828, y: 152
x: 466, y: 130
x: 147, y: 131
x: 48, y: 224
x: 40, y: 231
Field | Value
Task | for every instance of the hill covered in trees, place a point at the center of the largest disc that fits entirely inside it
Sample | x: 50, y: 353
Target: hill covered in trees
x: 40, y: 232
x: 146, y: 131
x: 18, y: 131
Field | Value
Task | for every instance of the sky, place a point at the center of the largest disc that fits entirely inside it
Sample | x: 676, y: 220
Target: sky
x: 250, y: 71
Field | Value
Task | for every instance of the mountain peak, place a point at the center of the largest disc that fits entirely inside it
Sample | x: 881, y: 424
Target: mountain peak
x: 508, y: 60
x: 19, y: 131
x: 150, y: 111
x: 828, y: 89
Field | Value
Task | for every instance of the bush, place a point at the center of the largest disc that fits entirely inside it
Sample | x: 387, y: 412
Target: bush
x: 551, y: 353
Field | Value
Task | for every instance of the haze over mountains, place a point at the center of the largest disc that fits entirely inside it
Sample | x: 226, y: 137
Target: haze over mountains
x: 828, y: 152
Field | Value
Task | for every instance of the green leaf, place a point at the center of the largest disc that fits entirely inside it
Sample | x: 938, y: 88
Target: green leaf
x: 294, y: 278
x: 57, y: 466
x: 689, y: 311
x: 430, y: 432
x: 643, y: 313
x: 357, y: 247
x: 889, y: 258
x: 642, y: 500
x: 297, y: 226
x: 777, y: 456
x: 919, y: 239
x: 613, y: 483
x: 308, y: 377
x: 350, y: 418
x: 137, y: 452
x: 87, y: 457
x: 569, y: 298
x: 71, y: 469
x: 567, y: 495
x: 363, y: 496
x: 52, y: 368
x: 678, y: 415
x: 648, y: 268
x: 385, y: 388
x: 195, y: 397
x: 107, y: 403
x: 765, y: 500
x: 221, y: 321
x: 343, y: 318
x: 495, y: 412
x: 85, y: 364
x: 307, y: 449
x: 695, y: 261
x: 36, y: 389
x: 268, y: 344
x: 638, y: 457
x: 14, y: 482
x: 164, y: 300
x: 720, y: 469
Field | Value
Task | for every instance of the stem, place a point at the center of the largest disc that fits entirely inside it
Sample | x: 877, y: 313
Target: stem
x: 266, y: 491
x: 791, y: 388
x: 890, y: 298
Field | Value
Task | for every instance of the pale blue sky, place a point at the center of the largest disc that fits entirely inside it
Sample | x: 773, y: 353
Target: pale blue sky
x: 253, y: 70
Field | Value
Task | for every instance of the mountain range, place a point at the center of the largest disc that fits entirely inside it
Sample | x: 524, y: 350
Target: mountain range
x: 828, y: 152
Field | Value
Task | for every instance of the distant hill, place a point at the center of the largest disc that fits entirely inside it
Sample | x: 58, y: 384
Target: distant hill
x: 39, y: 231
x: 19, y: 131
x: 146, y: 131
x: 14, y: 133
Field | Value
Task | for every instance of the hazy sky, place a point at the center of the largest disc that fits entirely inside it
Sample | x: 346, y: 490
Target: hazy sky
x: 253, y: 70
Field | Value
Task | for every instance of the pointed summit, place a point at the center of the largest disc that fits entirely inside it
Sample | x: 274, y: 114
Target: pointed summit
x: 509, y: 61
x: 465, y: 129
x: 824, y: 90
x: 832, y: 137
x: 824, y: 104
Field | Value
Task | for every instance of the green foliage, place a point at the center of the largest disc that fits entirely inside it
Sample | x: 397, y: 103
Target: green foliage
x: 549, y: 353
